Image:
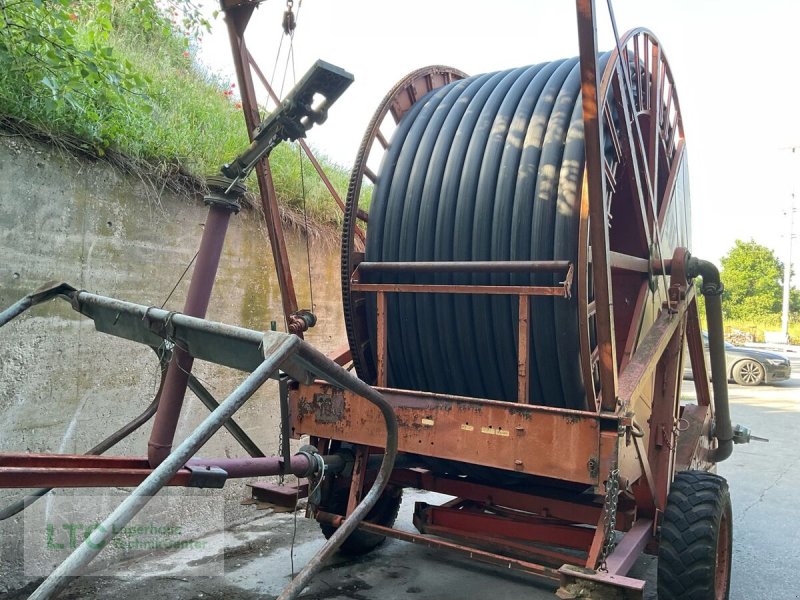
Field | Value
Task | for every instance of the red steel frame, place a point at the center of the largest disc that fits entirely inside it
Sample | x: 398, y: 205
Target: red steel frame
x: 495, y: 525
x: 557, y: 444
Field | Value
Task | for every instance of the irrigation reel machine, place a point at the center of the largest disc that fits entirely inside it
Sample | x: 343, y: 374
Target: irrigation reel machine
x: 519, y: 298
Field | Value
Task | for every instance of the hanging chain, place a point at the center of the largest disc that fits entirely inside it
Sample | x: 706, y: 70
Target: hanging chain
x: 281, y: 476
x: 609, y: 517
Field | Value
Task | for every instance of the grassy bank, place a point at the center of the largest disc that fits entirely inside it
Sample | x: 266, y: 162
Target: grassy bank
x: 117, y: 80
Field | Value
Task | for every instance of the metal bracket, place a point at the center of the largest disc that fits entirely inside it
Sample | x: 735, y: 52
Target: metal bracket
x: 207, y: 477
x: 743, y: 435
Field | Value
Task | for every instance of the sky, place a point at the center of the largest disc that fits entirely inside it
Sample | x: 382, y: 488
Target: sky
x: 735, y: 66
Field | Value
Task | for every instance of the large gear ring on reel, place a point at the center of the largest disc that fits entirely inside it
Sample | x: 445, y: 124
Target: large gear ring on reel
x: 491, y: 167
x: 390, y: 111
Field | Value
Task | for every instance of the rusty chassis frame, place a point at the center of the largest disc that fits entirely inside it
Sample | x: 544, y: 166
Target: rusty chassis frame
x: 549, y: 444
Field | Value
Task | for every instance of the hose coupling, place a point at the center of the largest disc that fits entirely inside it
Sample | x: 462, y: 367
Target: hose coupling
x: 712, y: 289
x: 301, y: 320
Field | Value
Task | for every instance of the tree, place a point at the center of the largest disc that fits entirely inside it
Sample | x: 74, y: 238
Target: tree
x: 753, y: 280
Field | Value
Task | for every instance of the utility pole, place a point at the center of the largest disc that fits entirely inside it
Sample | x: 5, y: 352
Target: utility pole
x: 787, y: 275
x: 787, y: 269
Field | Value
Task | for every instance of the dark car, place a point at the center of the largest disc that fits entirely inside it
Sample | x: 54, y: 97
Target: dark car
x: 748, y: 366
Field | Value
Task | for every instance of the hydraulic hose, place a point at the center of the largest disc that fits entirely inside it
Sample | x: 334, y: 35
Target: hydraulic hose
x: 712, y: 290
x: 336, y: 375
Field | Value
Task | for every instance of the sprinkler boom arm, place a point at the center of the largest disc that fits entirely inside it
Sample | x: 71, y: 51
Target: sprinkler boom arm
x: 306, y: 105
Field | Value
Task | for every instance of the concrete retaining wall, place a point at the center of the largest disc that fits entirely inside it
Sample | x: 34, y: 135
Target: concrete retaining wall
x: 64, y: 387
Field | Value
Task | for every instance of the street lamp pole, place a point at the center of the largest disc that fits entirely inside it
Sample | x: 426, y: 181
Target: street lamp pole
x: 787, y: 275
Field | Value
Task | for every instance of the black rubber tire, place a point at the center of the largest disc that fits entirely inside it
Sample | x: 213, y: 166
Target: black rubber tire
x: 383, y: 513
x: 748, y: 372
x: 697, y: 525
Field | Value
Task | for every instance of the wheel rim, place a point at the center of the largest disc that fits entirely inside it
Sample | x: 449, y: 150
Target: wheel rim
x: 723, y: 559
x: 750, y: 372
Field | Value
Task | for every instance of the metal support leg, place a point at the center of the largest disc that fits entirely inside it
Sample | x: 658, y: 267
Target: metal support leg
x: 245, y: 441
x: 131, y: 506
x: 197, y: 299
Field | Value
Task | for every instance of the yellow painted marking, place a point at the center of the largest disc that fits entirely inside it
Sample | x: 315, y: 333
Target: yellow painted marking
x: 467, y: 427
x: 489, y: 430
x: 502, y: 432
x: 428, y: 422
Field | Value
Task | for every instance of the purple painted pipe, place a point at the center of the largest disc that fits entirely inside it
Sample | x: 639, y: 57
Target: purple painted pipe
x: 197, y: 299
x: 265, y: 466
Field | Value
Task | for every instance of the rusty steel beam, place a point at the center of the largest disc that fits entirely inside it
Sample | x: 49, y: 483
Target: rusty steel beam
x: 341, y: 355
x: 382, y: 349
x: 358, y: 478
x: 523, y: 375
x: 279, y: 495
x: 692, y: 451
x: 664, y: 416
x: 594, y: 187
x: 636, y: 323
x: 600, y: 584
x: 537, y: 530
x: 29, y: 477
x: 694, y: 341
x: 437, y: 544
x: 579, y: 509
x: 21, y: 470
x: 626, y: 262
x: 644, y: 361
x: 237, y: 18
x: 503, y: 546
x: 477, y: 266
x: 514, y: 437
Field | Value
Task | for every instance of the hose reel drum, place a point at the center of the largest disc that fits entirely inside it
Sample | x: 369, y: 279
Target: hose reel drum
x: 491, y: 168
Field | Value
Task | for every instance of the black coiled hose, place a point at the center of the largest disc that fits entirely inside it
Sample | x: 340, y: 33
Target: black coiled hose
x: 485, y: 168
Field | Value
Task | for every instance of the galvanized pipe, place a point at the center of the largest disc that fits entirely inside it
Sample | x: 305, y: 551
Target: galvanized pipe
x: 712, y: 290
x: 131, y: 506
x: 197, y: 299
x: 336, y: 375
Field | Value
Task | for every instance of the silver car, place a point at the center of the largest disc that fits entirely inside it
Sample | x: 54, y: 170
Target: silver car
x: 748, y: 366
